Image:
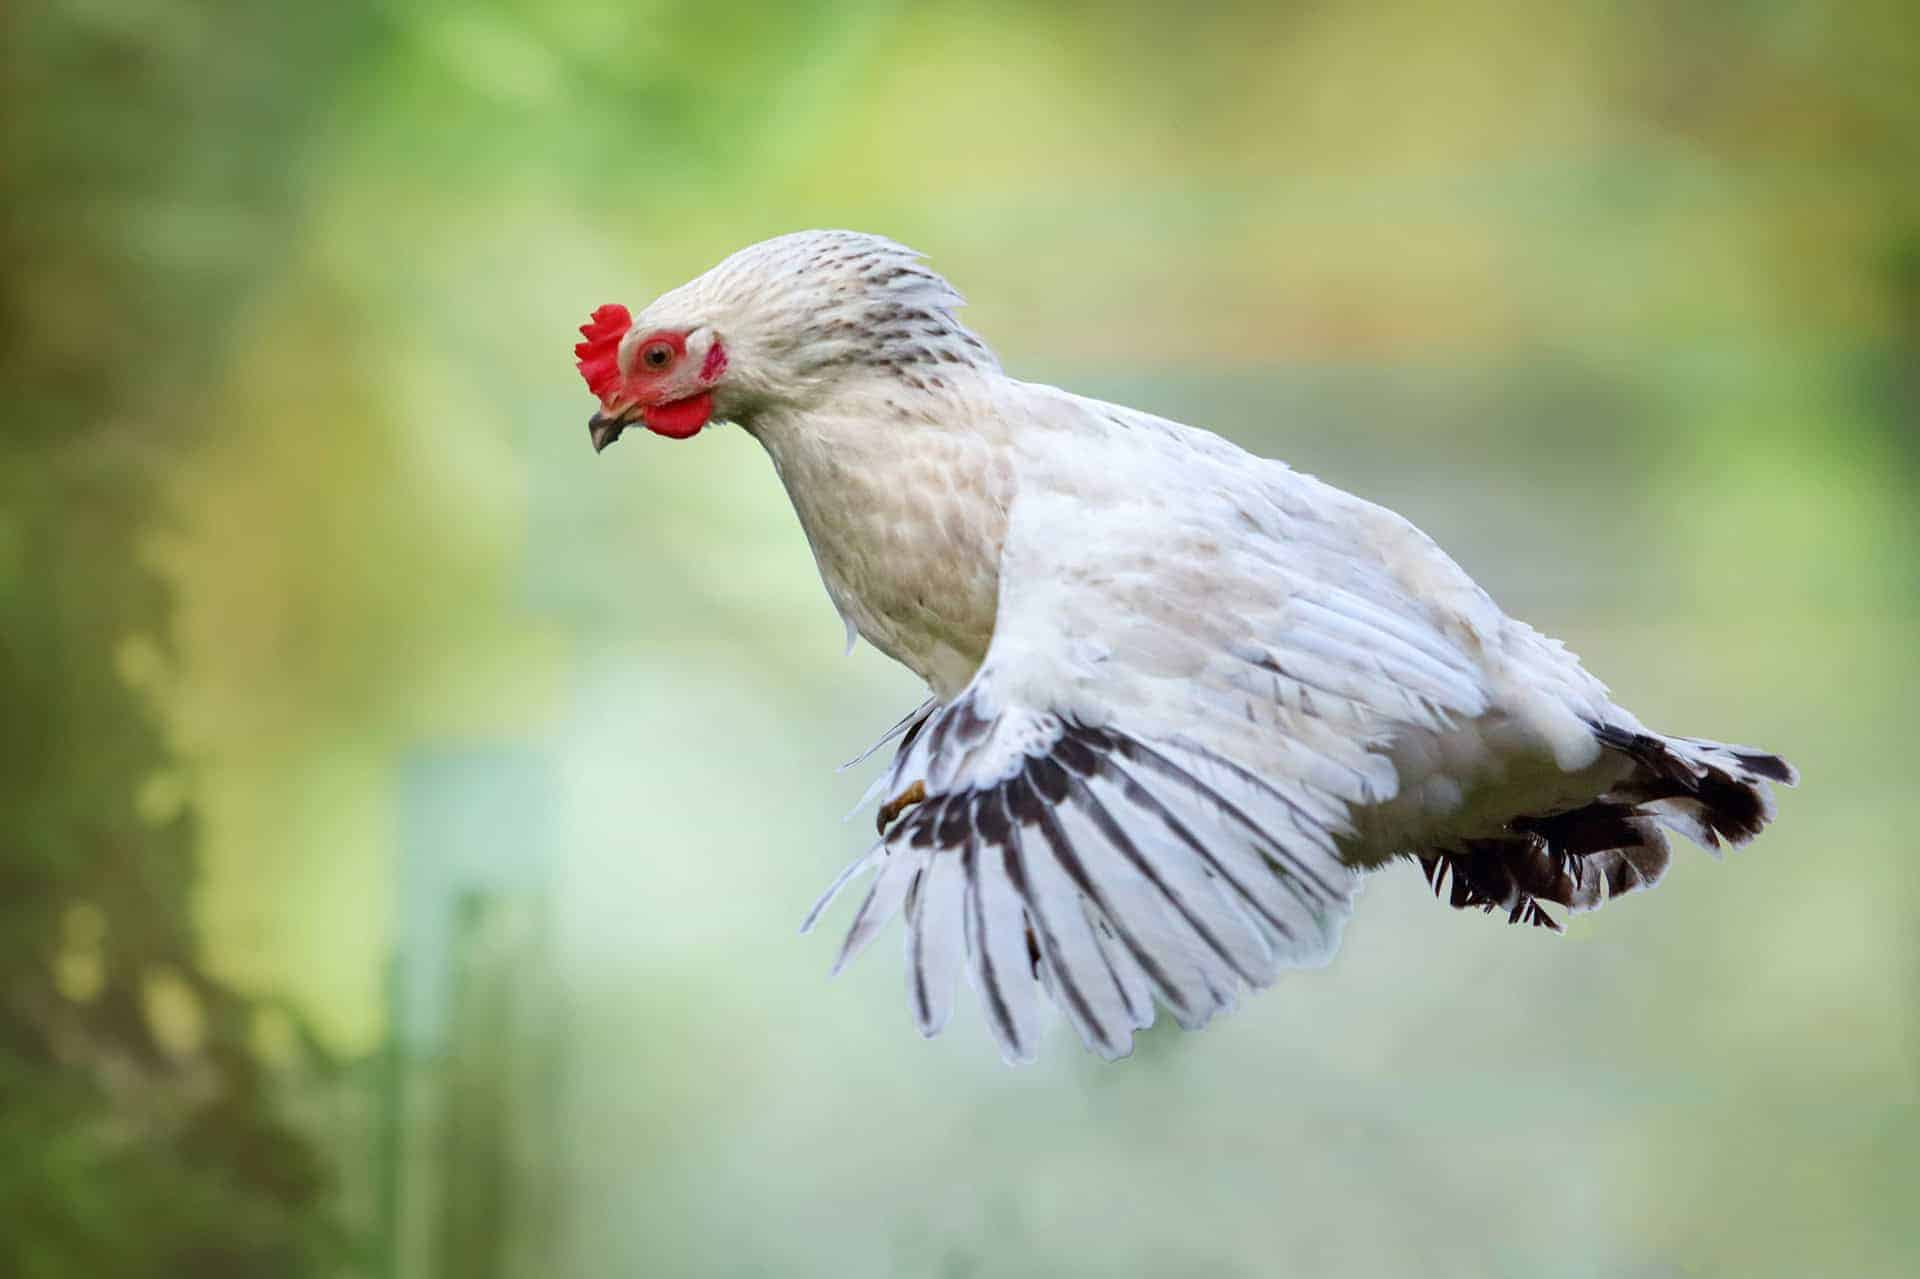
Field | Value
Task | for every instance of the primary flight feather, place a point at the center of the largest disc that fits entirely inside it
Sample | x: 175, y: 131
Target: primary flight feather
x: 1181, y: 697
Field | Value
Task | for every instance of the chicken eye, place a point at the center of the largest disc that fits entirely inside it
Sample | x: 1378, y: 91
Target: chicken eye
x: 656, y: 355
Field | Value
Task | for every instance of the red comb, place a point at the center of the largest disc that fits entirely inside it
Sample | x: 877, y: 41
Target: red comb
x: 599, y: 355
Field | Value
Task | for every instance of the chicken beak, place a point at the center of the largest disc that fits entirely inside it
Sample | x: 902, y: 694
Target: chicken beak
x: 604, y: 428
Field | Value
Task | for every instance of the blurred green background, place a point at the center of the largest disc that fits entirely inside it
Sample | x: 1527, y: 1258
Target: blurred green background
x: 408, y: 812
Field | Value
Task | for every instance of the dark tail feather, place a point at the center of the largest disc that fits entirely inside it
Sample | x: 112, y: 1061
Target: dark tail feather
x: 1586, y: 856
x: 1704, y: 790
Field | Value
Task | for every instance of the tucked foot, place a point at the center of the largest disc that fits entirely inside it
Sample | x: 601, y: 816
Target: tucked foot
x: 897, y: 805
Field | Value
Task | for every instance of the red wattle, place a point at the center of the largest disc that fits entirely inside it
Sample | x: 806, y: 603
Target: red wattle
x: 678, y: 419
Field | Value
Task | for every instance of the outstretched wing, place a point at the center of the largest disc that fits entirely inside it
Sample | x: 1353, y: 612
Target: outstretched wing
x: 1140, y: 796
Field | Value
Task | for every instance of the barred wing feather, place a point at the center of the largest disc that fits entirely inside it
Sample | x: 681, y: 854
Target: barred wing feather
x: 1100, y: 870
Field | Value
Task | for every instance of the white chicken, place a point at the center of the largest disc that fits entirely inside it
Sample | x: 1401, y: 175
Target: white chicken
x: 1182, y: 697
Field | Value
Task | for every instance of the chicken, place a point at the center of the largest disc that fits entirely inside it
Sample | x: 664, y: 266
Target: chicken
x: 1182, y: 698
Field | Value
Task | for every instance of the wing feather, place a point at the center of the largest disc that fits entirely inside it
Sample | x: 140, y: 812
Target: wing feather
x: 882, y: 903
x: 934, y: 945
x: 997, y: 949
x: 1080, y: 980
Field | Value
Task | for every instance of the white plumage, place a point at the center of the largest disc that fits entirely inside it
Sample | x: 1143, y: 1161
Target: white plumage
x: 1182, y: 696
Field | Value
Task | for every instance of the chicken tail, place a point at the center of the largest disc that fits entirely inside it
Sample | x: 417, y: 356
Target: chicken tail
x: 1583, y: 857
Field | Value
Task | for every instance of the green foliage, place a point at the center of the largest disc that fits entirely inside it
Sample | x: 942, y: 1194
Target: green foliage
x: 144, y: 185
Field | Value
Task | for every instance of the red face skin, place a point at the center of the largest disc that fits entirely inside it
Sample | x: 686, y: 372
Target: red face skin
x: 655, y: 382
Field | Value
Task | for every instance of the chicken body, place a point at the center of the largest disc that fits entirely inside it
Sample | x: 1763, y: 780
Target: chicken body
x: 1181, y: 696
x: 1166, y: 555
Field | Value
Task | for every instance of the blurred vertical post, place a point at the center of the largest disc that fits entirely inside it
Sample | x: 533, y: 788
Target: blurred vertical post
x: 465, y: 1162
